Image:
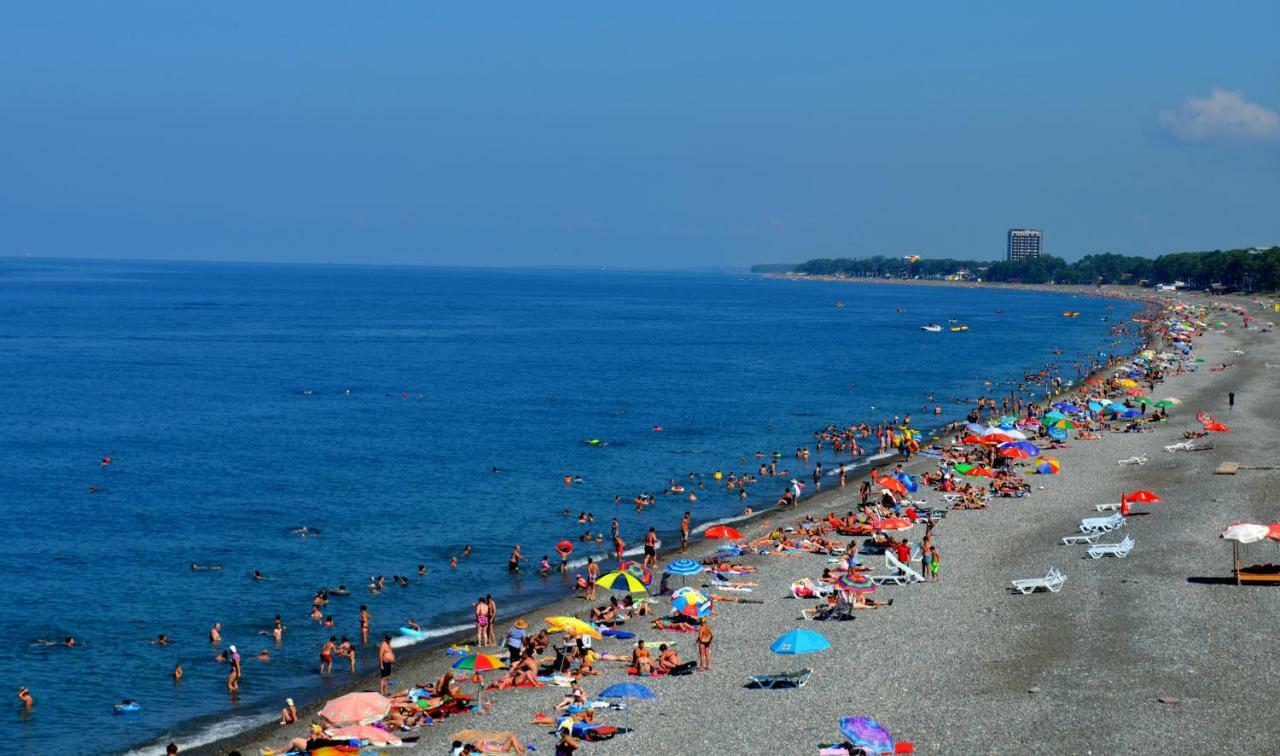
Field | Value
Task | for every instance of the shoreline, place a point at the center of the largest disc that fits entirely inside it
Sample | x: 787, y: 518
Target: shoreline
x: 427, y: 655
x: 1107, y: 291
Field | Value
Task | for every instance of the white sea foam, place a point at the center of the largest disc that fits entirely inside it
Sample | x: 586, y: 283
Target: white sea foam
x: 215, y: 731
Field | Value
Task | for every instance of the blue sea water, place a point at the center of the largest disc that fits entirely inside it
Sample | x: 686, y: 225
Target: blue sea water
x: 237, y: 402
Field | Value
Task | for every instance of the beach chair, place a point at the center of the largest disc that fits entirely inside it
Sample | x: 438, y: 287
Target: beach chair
x: 724, y: 586
x: 785, y: 680
x: 1134, y: 460
x: 1102, y: 524
x: 1078, y: 538
x: 1180, y: 446
x: 1110, y: 506
x: 1120, y: 549
x: 905, y: 575
x: 1051, y: 582
x: 838, y: 613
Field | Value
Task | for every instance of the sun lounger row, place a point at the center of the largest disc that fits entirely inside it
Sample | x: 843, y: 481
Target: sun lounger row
x: 1102, y: 524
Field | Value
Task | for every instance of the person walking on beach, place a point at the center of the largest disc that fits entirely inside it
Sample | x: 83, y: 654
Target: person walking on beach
x: 482, y: 621
x: 385, y: 658
x: 1231, y: 400
x: 933, y: 564
x: 619, y: 546
x: 593, y: 574
x: 684, y: 533
x: 651, y: 549
x: 705, y: 636
x: 493, y: 619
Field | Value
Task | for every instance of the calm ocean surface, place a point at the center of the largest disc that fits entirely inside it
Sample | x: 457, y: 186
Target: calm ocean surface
x: 238, y: 402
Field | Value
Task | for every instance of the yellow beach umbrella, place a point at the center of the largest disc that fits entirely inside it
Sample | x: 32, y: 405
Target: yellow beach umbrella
x: 628, y: 582
x: 576, y: 625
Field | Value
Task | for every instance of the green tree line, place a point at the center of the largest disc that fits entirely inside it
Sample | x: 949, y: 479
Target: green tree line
x: 1236, y: 269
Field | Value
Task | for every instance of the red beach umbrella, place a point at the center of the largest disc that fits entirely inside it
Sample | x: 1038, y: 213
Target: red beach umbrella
x: 893, y: 524
x: 1014, y: 452
x: 1274, y: 531
x: 723, y: 531
x: 1144, y: 496
x: 973, y: 440
x: 979, y: 472
x: 1216, y: 427
x: 998, y: 438
x: 893, y: 484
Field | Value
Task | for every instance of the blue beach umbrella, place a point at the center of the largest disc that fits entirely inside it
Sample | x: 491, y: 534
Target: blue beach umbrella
x: 1058, y: 433
x: 800, y: 642
x: 1031, y: 449
x: 684, y: 567
x: 907, y: 482
x: 1049, y: 417
x: 627, y: 690
x: 1095, y: 406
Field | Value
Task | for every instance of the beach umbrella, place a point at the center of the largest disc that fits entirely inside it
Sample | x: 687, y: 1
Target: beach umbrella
x: 627, y: 690
x: 1058, y: 434
x: 907, y: 481
x: 356, y: 709
x: 856, y: 583
x: 892, y: 524
x: 974, y: 440
x: 1164, y: 404
x: 1144, y: 496
x: 1126, y: 382
x: 692, y: 603
x: 1273, y: 531
x: 1144, y: 400
x: 1172, y: 400
x: 1068, y: 408
x: 1066, y: 423
x: 578, y: 626
x: 637, y: 571
x: 1000, y: 438
x: 723, y: 531
x: 621, y: 581
x: 1054, y: 415
x: 479, y: 663
x: 1048, y: 466
x: 684, y: 567
x: 1095, y: 406
x: 979, y: 472
x: 867, y: 734
x: 891, y: 484
x: 1245, y: 532
x: 799, y: 642
x: 366, y: 734
x: 1005, y: 435
x: 1012, y: 452
x: 975, y: 428
x: 1216, y: 427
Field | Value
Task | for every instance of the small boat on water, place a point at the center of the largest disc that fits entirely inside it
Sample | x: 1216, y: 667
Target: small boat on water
x: 960, y: 328
x: 1070, y: 314
x: 839, y: 304
x: 931, y: 328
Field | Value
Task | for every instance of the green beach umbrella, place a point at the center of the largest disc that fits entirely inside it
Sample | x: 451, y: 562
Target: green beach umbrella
x: 1164, y: 403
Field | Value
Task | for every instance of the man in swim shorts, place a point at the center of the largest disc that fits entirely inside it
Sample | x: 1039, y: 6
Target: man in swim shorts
x: 385, y: 658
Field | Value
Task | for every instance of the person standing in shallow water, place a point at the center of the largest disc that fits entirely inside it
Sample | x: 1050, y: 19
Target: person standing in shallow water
x: 513, y: 561
x: 593, y: 574
x: 684, y: 533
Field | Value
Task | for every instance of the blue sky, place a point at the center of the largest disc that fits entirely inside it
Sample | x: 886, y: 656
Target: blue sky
x: 639, y: 135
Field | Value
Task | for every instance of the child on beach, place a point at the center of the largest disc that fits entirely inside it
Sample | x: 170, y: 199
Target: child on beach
x: 933, y: 563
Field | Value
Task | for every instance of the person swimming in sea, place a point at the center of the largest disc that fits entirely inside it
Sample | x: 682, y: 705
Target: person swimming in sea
x: 204, y: 567
x: 68, y: 642
x: 161, y: 640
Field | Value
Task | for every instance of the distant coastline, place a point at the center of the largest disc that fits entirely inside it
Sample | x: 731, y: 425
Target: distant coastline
x: 1112, y: 291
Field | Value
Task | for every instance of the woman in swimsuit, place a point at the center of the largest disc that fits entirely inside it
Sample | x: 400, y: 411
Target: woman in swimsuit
x: 705, y: 637
x: 482, y: 621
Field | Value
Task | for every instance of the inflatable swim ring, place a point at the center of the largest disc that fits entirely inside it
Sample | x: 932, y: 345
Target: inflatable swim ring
x: 127, y: 707
x: 564, y: 548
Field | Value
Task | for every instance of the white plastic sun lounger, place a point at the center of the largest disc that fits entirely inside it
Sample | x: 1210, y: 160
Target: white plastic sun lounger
x: 1102, y: 524
x: 1077, y: 538
x: 1134, y: 460
x: 721, y: 585
x: 1180, y: 446
x: 1110, y: 506
x: 1051, y: 582
x: 1120, y: 549
x: 906, y: 576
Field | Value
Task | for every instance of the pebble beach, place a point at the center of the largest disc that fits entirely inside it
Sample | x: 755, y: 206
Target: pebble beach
x: 1156, y: 651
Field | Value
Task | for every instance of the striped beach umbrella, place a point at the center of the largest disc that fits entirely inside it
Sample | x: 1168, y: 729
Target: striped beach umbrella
x: 692, y: 603
x: 856, y: 583
x: 479, y: 663
x: 1048, y: 466
x: 684, y: 567
x: 621, y: 581
x: 637, y: 571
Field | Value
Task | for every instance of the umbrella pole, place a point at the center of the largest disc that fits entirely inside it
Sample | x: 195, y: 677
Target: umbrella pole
x: 1235, y: 554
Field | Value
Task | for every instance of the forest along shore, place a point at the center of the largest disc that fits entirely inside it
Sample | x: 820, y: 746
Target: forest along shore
x: 1130, y: 652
